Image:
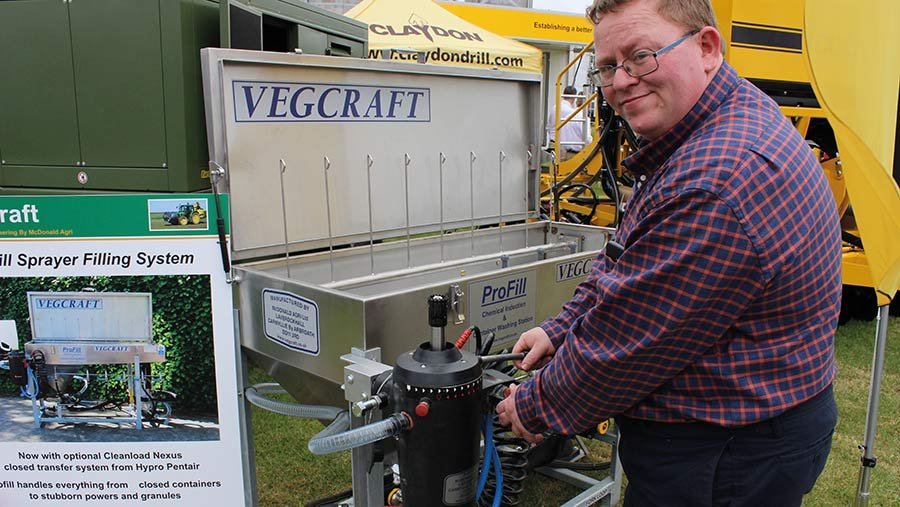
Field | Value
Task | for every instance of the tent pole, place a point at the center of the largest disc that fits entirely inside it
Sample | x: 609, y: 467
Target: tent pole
x: 868, y: 458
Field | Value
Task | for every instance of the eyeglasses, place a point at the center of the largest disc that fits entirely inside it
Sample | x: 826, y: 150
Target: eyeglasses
x: 641, y: 63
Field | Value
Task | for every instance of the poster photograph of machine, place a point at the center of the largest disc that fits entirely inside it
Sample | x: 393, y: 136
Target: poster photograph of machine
x: 107, y: 359
x: 186, y: 214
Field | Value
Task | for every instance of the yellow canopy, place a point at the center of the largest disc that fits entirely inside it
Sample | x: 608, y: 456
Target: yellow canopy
x: 854, y: 61
x: 403, y: 29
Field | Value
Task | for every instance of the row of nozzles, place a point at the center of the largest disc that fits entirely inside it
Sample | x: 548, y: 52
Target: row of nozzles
x: 369, y: 163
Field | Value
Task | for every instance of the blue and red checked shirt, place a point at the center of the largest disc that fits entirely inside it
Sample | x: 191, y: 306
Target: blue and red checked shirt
x: 723, y: 306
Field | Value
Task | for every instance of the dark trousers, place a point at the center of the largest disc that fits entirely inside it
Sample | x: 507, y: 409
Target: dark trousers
x: 770, y: 463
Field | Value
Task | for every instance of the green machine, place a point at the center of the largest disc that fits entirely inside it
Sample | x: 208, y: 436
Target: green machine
x: 106, y: 95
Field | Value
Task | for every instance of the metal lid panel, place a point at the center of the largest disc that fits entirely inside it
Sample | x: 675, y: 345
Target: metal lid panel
x: 351, y: 151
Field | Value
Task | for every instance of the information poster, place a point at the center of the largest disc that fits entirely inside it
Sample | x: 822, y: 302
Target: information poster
x: 119, y: 386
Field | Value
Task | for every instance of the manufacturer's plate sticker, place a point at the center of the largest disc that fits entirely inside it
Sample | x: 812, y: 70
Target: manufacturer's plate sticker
x: 460, y: 488
x: 291, y: 321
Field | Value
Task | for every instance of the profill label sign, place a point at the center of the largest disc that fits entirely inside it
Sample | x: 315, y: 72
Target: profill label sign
x: 291, y: 320
x: 503, y: 305
x: 72, y: 354
x: 278, y: 102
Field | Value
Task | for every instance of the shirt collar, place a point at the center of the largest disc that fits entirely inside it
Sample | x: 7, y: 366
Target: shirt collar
x: 651, y: 155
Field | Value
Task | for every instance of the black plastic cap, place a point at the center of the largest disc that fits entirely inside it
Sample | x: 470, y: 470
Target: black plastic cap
x: 437, y: 310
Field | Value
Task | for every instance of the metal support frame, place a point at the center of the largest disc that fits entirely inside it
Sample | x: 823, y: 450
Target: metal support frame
x: 868, y: 459
x: 368, y: 474
x: 134, y: 379
x: 367, y: 470
x: 606, y: 491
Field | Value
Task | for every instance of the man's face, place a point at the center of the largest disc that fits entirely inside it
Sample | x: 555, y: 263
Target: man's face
x: 652, y: 104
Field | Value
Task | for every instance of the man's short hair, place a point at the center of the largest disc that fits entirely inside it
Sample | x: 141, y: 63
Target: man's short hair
x: 570, y: 90
x: 691, y: 14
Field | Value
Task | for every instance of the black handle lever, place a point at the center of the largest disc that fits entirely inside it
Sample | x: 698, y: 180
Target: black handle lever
x: 614, y: 250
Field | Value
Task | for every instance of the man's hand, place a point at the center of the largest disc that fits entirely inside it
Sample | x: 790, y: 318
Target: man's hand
x: 540, y: 349
x: 508, y: 416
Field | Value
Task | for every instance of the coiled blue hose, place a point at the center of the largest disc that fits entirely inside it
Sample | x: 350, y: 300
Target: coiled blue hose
x: 487, y: 428
x: 491, y: 457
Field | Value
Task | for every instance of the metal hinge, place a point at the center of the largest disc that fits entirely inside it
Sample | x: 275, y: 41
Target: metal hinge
x: 457, y: 303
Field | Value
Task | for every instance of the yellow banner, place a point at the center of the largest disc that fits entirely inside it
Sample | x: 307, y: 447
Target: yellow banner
x: 526, y: 24
x: 858, y: 89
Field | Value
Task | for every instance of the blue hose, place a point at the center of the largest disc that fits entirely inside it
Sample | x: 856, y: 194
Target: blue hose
x: 32, y: 382
x: 498, y: 473
x: 491, y: 456
x: 489, y: 452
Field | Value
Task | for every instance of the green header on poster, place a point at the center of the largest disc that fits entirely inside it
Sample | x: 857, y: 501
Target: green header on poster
x: 99, y: 216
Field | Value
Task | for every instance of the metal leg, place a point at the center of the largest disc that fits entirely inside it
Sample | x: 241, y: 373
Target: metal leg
x: 368, y: 474
x: 136, y: 380
x: 33, y: 393
x: 868, y: 458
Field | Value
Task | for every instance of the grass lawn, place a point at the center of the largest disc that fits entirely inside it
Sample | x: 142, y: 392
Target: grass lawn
x: 289, y: 475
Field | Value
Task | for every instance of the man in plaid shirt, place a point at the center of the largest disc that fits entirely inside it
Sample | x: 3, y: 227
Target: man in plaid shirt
x: 710, y: 339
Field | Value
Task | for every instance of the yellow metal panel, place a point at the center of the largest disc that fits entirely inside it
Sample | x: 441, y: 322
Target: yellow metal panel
x: 776, y: 13
x: 526, y: 24
x: 855, y: 269
x: 806, y: 112
x: 723, y: 11
x: 856, y: 272
x: 767, y: 64
x: 834, y: 172
x: 768, y: 24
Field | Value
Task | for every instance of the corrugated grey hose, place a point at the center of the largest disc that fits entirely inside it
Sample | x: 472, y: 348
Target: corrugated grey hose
x: 255, y: 396
x: 371, y: 433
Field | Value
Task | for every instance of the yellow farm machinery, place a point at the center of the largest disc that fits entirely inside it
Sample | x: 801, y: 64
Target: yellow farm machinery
x: 849, y: 118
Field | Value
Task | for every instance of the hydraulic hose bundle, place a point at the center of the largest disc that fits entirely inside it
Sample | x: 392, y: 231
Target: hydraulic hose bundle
x: 490, y: 463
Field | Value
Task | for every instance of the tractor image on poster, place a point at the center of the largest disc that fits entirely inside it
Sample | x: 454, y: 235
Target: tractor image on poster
x: 186, y: 214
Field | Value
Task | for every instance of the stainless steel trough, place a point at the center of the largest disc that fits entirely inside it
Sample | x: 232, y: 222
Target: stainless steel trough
x: 358, y: 188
